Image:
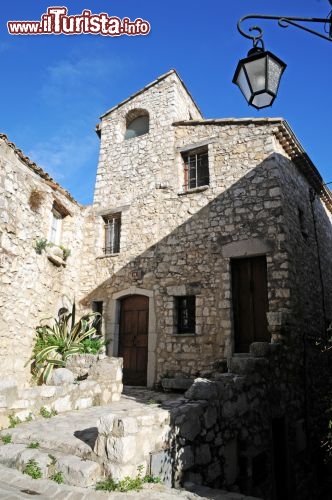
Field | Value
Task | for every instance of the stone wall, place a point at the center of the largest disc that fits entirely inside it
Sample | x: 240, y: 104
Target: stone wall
x: 87, y: 381
x: 223, y: 430
x: 181, y: 243
x: 308, y: 245
x: 32, y: 287
x: 176, y: 242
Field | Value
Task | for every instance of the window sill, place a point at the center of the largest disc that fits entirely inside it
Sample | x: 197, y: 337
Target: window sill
x: 194, y: 190
x: 184, y: 334
x: 107, y: 255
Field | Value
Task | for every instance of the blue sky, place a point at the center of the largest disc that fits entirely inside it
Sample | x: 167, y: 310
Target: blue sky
x: 55, y: 87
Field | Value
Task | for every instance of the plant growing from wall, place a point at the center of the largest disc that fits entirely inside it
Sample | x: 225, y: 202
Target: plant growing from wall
x: 54, y: 343
x: 32, y: 469
x: 33, y: 445
x: 47, y: 413
x: 40, y: 245
x: 128, y: 483
x: 65, y: 251
x: 6, y: 439
x: 57, y: 477
x: 14, y: 421
x: 35, y: 199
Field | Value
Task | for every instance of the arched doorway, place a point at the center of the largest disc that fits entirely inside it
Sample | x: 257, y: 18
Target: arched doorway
x: 133, y: 338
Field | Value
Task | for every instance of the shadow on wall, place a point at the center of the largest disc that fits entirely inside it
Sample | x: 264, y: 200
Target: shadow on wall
x: 257, y: 215
x: 252, y: 217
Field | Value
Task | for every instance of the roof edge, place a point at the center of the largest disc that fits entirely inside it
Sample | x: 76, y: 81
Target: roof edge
x: 38, y: 170
x: 301, y: 159
x: 148, y: 86
x: 227, y: 121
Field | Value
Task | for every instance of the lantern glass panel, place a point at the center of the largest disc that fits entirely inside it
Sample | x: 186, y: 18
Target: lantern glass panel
x: 262, y: 100
x: 242, y: 82
x: 256, y: 71
x: 274, y: 74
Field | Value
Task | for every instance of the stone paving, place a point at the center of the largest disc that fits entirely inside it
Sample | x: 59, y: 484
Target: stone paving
x: 17, y: 486
x: 74, y: 433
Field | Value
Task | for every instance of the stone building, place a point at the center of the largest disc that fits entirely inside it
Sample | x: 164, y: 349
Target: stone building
x: 203, y: 218
x: 207, y: 250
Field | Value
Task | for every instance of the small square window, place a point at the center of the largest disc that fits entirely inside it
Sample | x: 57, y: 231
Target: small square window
x: 112, y: 233
x: 185, y: 314
x: 196, y: 168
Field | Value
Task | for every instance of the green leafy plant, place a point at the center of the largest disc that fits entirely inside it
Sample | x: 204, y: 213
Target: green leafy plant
x: 52, y: 458
x: 14, y: 421
x: 92, y: 346
x: 151, y: 479
x: 106, y: 485
x: 40, y: 245
x: 6, y: 439
x: 66, y: 252
x: 47, y: 413
x: 32, y: 469
x: 128, y: 483
x: 54, y: 343
x: 57, y: 477
x: 29, y: 418
x: 33, y: 444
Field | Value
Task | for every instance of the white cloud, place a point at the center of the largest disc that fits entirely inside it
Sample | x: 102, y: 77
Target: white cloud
x: 78, y: 80
x: 64, y: 156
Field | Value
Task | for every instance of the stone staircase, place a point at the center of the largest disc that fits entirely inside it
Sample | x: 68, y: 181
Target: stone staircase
x: 88, y: 445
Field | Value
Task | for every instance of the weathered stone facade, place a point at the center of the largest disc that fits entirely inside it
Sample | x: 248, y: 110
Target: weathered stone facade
x: 176, y: 242
x: 32, y: 286
x: 170, y: 237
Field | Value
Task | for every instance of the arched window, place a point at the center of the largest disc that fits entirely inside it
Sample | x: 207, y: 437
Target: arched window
x: 137, y: 123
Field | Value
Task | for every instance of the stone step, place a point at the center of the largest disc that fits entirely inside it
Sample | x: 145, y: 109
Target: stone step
x: 74, y: 470
x: 126, y: 442
x: 88, y: 444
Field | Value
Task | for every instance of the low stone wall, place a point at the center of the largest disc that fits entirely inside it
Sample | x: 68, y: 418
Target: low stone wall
x: 221, y: 430
x: 209, y: 428
x: 87, y: 381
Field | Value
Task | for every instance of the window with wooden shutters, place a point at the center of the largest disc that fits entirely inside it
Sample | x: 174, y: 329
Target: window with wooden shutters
x: 196, y: 168
x: 112, y: 233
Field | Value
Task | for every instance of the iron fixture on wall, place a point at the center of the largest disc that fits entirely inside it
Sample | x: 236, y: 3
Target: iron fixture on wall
x: 258, y: 75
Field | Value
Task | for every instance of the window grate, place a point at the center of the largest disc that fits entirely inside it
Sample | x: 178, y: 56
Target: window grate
x: 196, y: 169
x: 186, y: 314
x: 112, y: 234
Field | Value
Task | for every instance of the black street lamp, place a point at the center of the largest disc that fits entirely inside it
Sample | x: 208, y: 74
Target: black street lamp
x: 258, y: 75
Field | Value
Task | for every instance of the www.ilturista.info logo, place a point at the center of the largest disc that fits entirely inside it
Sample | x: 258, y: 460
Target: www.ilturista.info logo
x: 56, y: 22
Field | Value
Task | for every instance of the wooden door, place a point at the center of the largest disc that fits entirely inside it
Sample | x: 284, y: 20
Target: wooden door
x: 133, y: 338
x: 250, y: 302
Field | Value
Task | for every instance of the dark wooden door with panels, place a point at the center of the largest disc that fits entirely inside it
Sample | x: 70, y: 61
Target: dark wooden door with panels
x: 133, y: 338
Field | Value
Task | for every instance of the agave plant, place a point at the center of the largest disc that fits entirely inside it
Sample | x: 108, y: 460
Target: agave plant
x: 53, y: 344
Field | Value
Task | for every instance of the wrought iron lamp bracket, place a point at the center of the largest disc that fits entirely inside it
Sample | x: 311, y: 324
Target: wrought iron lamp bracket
x: 284, y: 22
